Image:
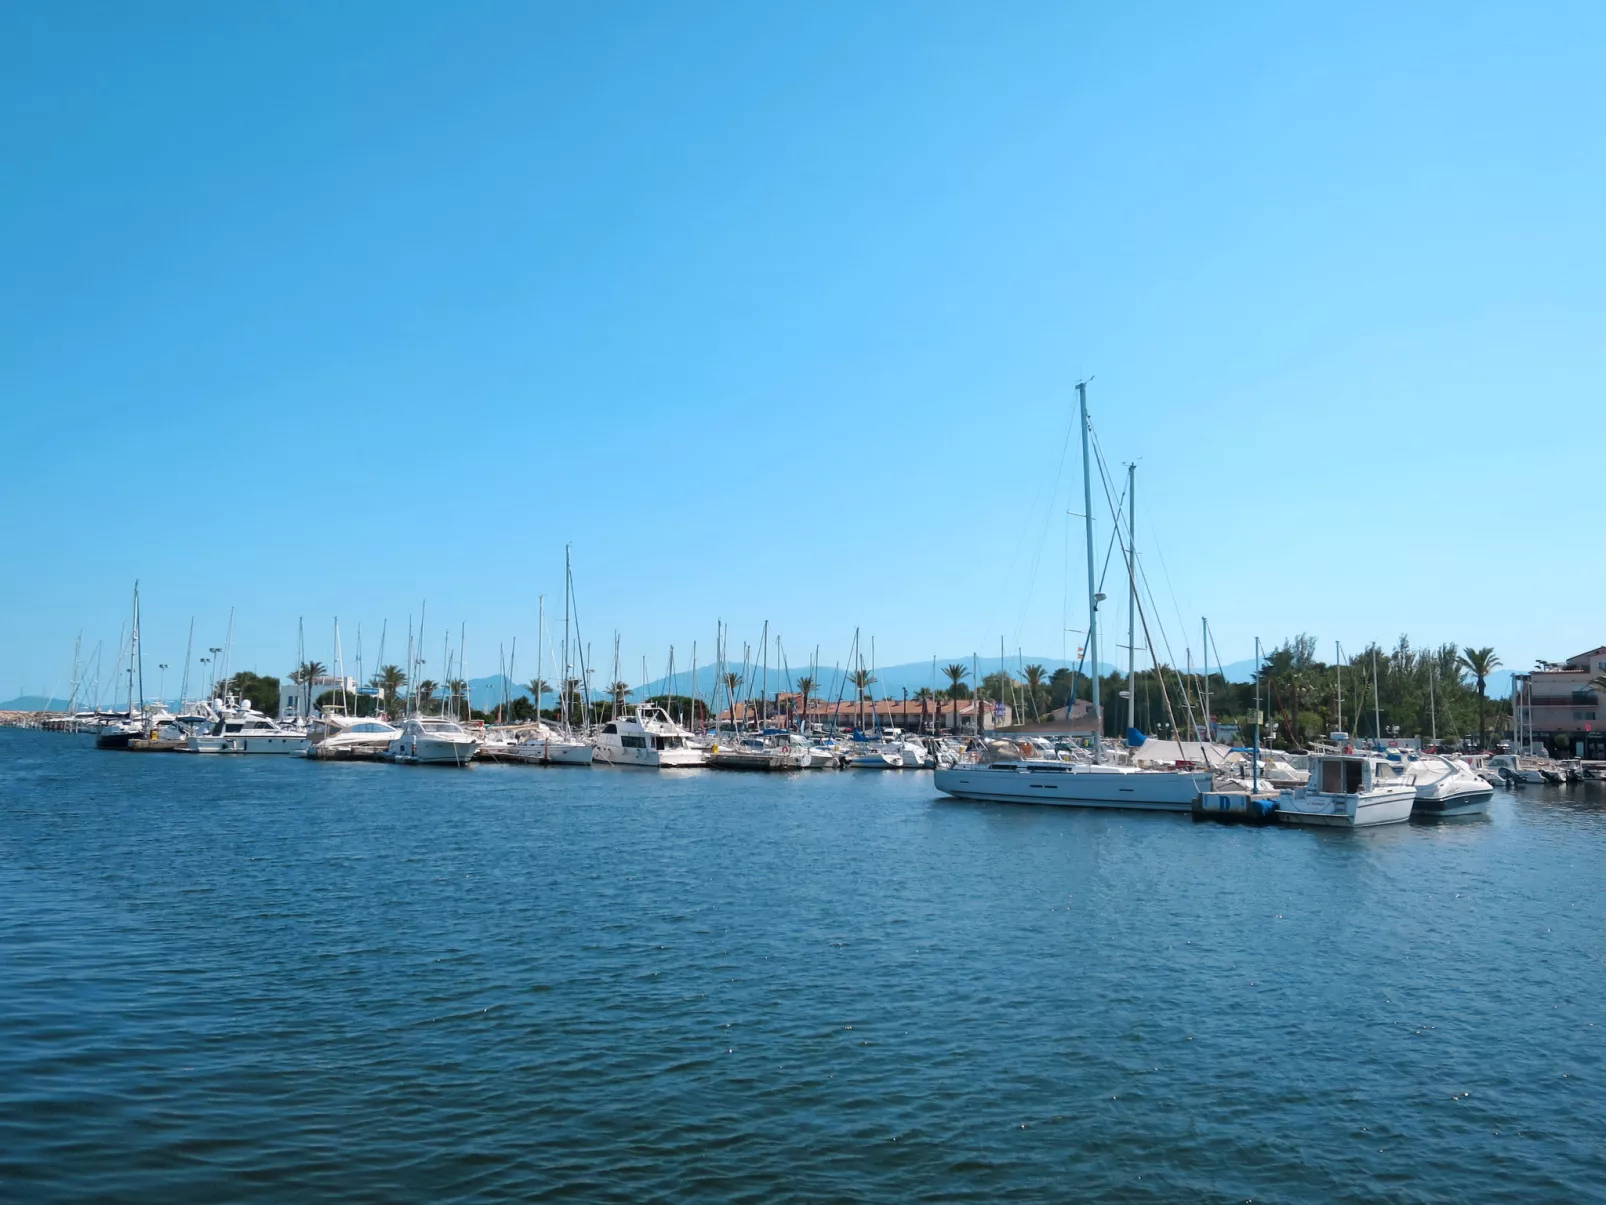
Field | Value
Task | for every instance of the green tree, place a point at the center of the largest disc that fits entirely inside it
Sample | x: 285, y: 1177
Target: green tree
x: 619, y: 690
x: 261, y: 691
x: 926, y: 697
x: 805, y: 688
x: 538, y: 688
x: 862, y: 680
x: 1035, y: 690
x: 956, y: 675
x: 1480, y: 663
x: 457, y: 691
x: 424, y: 694
x: 388, y: 682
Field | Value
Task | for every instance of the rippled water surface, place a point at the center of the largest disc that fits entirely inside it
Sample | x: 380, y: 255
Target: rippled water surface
x: 267, y: 979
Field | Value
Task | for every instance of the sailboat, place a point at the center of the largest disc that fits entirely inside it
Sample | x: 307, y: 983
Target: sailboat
x: 1008, y: 775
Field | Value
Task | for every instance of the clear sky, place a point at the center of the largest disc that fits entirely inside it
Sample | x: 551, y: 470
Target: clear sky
x: 775, y: 312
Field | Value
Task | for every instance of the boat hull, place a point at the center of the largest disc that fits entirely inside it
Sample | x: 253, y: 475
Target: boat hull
x: 1392, y: 807
x: 651, y: 759
x: 422, y: 751
x: 1460, y: 803
x: 280, y: 743
x: 551, y: 753
x: 1075, y: 786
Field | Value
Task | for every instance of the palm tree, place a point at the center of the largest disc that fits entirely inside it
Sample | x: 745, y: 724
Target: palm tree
x: 805, y: 687
x: 1480, y: 663
x: 926, y: 697
x: 423, y: 693
x: 458, y: 689
x: 955, y: 674
x: 733, y: 683
x: 862, y: 680
x: 537, y: 688
x: 619, y: 690
x: 1035, y: 675
x: 388, y: 682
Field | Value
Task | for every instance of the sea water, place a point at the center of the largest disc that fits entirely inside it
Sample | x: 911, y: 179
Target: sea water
x: 268, y: 979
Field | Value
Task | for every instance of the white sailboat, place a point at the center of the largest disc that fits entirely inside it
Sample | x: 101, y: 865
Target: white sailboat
x: 1018, y: 779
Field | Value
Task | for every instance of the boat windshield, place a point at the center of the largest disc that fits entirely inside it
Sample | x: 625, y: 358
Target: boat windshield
x: 441, y: 726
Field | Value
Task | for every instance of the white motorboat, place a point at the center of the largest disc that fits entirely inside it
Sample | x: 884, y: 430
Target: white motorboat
x: 431, y: 741
x: 1074, y: 784
x: 1447, y: 786
x: 540, y: 744
x: 1351, y: 790
x: 336, y: 735
x: 240, y: 729
x: 649, y: 739
x: 882, y: 755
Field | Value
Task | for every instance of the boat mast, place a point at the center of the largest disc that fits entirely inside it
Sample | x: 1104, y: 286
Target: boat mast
x: 540, y: 649
x: 1131, y: 597
x: 1433, y: 715
x: 1338, y: 668
x: 1092, y: 597
x: 1377, y: 715
x: 189, y: 649
x: 563, y: 687
x: 1255, y: 757
x: 1204, y: 640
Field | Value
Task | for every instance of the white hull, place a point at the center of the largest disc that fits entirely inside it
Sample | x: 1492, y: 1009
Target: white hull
x: 423, y: 751
x: 1464, y: 801
x: 285, y: 743
x: 550, y: 753
x: 651, y: 759
x: 1348, y: 811
x: 1064, y: 784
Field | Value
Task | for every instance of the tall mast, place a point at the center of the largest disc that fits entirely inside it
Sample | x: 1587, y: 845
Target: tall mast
x: 563, y: 686
x: 135, y: 659
x: 1204, y: 639
x: 540, y: 648
x: 1131, y: 596
x: 1433, y: 715
x: 1092, y: 596
x: 189, y: 650
x: 1338, y: 669
x: 1377, y: 715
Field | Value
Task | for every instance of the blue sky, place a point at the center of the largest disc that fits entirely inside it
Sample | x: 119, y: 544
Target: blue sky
x: 775, y: 312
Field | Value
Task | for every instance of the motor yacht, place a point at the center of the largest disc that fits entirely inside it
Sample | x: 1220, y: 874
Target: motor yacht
x: 1351, y: 790
x: 240, y: 729
x: 431, y: 741
x: 334, y: 734
x: 649, y: 739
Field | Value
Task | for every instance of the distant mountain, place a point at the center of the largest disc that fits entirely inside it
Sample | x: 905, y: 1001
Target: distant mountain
x: 33, y: 703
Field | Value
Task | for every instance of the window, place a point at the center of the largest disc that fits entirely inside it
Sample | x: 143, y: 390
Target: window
x: 633, y: 742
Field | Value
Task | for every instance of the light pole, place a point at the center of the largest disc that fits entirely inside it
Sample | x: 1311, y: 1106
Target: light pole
x: 214, y: 652
x: 161, y: 682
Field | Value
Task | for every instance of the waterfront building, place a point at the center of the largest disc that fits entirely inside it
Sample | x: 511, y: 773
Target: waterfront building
x: 1562, y: 709
x: 299, y: 700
